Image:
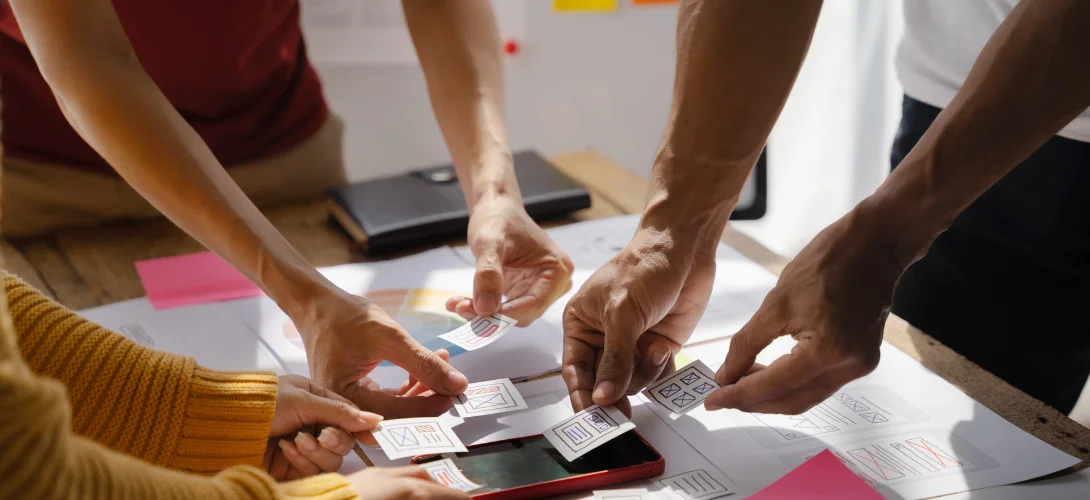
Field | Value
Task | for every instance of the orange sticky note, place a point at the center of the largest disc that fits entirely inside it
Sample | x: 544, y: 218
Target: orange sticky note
x: 192, y: 279
x: 585, y: 5
x: 823, y: 477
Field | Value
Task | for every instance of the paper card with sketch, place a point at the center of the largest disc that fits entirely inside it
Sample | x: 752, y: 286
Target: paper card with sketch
x: 446, y: 473
x: 587, y: 430
x: 685, y: 389
x: 488, y: 398
x: 483, y: 330
x: 408, y: 437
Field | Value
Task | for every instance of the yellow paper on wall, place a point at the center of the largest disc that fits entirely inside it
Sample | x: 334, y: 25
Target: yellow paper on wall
x: 585, y: 5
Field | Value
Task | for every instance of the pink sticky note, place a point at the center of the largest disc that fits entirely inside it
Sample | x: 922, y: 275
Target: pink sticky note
x: 192, y: 279
x: 823, y: 477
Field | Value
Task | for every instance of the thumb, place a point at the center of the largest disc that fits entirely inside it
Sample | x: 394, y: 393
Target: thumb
x: 615, y: 367
x: 428, y: 368
x: 757, y: 333
x: 488, y: 280
x: 323, y: 407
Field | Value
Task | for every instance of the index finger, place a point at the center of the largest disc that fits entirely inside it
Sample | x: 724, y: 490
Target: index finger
x: 391, y: 406
x: 578, y: 372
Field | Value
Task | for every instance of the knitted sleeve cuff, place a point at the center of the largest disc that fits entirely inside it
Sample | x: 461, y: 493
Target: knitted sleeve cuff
x: 227, y: 420
x: 322, y: 487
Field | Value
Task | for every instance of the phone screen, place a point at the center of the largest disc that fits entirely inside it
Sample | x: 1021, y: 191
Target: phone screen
x: 521, y: 462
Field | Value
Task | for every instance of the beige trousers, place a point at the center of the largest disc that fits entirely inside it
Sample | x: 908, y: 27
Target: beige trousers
x: 37, y: 198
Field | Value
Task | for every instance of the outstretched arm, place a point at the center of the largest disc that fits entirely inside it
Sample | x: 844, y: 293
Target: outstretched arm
x: 736, y: 63
x: 459, y: 48
x: 82, y: 52
x: 1031, y: 79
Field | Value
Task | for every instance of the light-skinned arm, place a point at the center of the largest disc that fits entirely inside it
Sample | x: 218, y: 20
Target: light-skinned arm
x: 736, y: 63
x: 459, y: 48
x: 1031, y: 79
x: 84, y: 56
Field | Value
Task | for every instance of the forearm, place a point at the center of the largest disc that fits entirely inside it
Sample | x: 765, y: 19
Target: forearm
x: 1031, y: 79
x: 736, y: 63
x: 459, y: 48
x: 113, y: 104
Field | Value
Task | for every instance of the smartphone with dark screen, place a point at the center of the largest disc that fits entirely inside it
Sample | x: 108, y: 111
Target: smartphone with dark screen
x: 530, y: 467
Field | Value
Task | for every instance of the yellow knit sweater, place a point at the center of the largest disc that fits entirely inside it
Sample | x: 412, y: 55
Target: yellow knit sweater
x: 135, y: 415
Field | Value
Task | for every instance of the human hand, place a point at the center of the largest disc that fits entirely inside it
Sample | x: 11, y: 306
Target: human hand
x: 833, y: 298
x: 623, y: 327
x: 347, y: 336
x: 301, y: 408
x: 412, y: 482
x: 516, y: 259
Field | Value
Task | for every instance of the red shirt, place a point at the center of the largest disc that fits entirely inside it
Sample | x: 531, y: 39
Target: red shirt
x: 236, y: 70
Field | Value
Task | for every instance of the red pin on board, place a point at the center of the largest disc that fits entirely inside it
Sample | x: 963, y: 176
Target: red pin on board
x: 511, y: 47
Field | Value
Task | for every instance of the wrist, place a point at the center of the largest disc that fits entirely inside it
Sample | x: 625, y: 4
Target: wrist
x: 693, y: 229
x: 493, y: 180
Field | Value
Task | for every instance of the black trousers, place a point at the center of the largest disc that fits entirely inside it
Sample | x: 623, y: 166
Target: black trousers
x: 1008, y: 284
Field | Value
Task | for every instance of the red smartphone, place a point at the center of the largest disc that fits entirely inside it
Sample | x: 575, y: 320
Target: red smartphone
x: 530, y: 467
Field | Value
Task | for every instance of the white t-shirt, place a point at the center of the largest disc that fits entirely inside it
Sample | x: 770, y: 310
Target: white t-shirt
x: 941, y: 42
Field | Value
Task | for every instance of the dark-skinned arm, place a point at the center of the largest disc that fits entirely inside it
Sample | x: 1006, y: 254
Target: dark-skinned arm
x: 736, y: 63
x: 1031, y: 79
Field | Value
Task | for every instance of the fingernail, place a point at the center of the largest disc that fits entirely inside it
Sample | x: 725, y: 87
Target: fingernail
x: 604, y: 390
x: 287, y: 449
x: 486, y: 302
x: 328, y: 438
x: 456, y: 381
x: 658, y: 356
x: 368, y: 417
x: 306, y: 441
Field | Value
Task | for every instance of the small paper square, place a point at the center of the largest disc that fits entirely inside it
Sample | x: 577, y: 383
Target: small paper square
x: 685, y: 389
x: 408, y: 437
x: 487, y: 398
x: 483, y: 330
x: 587, y: 430
x: 446, y: 473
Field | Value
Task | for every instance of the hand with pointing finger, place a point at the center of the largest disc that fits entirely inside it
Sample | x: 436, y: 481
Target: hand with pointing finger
x: 346, y: 336
x: 516, y: 259
x: 624, y: 325
x: 833, y: 298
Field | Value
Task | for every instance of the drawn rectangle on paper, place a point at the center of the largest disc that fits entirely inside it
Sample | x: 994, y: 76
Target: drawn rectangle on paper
x: 694, y: 485
x: 408, y: 437
x: 487, y: 398
x: 483, y: 330
x: 685, y: 389
x: 905, y: 457
x: 854, y: 409
x: 587, y: 430
x: 626, y: 494
x: 446, y: 473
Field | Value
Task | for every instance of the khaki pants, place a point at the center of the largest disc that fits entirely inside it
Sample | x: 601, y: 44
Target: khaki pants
x: 37, y: 198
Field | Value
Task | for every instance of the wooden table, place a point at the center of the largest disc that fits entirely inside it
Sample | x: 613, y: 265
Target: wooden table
x: 90, y: 267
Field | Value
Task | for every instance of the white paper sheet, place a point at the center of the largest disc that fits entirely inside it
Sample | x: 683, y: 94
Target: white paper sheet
x: 489, y: 398
x: 210, y: 333
x: 414, y: 290
x: 902, y: 428
x: 740, y: 284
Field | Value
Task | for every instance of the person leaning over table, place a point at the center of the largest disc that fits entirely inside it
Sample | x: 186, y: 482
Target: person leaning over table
x: 205, y: 83
x: 737, y: 62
